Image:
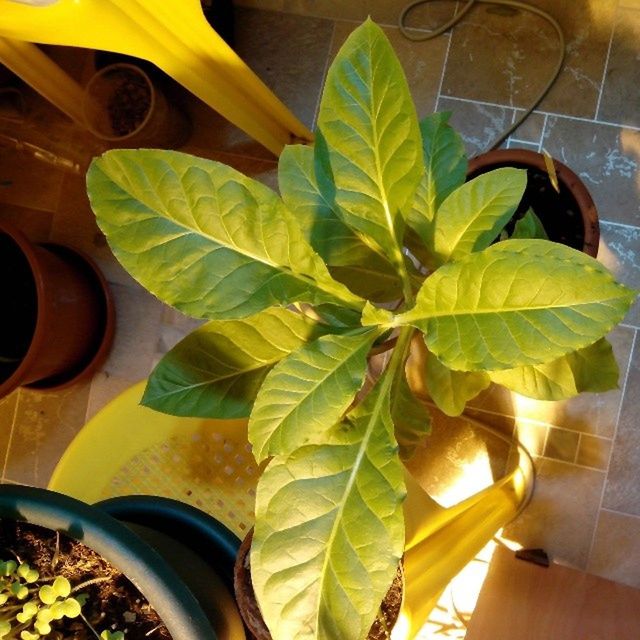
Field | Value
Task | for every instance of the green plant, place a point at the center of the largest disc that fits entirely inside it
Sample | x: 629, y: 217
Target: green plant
x: 298, y: 290
x: 28, y: 604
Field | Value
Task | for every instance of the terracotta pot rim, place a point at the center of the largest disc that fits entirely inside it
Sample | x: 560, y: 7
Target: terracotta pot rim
x: 40, y: 330
x: 566, y: 176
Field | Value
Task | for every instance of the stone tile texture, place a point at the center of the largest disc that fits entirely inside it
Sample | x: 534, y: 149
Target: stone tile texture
x: 485, y: 72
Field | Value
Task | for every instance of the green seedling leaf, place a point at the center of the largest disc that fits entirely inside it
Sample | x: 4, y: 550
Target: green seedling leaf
x: 216, y: 371
x: 43, y: 628
x: 28, y: 574
x: 8, y: 567
x: 529, y: 227
x: 27, y: 635
x: 29, y: 609
x: 368, y: 121
x: 519, y: 302
x: 411, y: 419
x: 364, y: 269
x: 57, y: 610
x: 71, y: 608
x: 471, y: 218
x: 445, y: 164
x: 204, y: 237
x: 3, y: 598
x: 593, y: 369
x: 5, y: 628
x: 45, y: 615
x: 308, y: 392
x: 47, y: 594
x: 329, y: 529
x: 451, y: 390
x: 62, y: 587
x: 19, y: 590
x: 111, y: 635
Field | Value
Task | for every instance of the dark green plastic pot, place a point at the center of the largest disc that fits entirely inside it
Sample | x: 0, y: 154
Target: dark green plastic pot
x: 143, y: 565
x: 201, y: 550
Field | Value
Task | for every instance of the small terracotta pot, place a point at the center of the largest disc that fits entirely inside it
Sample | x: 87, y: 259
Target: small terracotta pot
x: 570, y: 187
x: 252, y: 617
x: 59, y: 320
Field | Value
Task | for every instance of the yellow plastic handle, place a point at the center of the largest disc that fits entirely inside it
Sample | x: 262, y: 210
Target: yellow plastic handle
x: 174, y: 35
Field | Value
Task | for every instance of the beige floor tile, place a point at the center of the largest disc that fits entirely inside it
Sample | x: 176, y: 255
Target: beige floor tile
x: 104, y: 388
x: 620, y: 252
x: 288, y: 53
x: 561, y: 445
x: 591, y: 413
x: 422, y: 63
x: 606, y: 158
x: 504, y: 55
x: 616, y: 548
x: 620, y: 102
x: 562, y: 515
x: 593, y: 452
x: 45, y: 424
x: 138, y: 319
x: 478, y: 124
x: 7, y: 413
x: 623, y: 490
x: 531, y: 129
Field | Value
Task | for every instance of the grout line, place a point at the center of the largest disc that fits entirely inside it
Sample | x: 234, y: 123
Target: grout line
x: 13, y: 422
x: 634, y: 344
x: 620, y: 224
x: 622, y: 513
x: 548, y: 113
x: 449, y: 35
x: 606, y: 64
x: 543, y: 133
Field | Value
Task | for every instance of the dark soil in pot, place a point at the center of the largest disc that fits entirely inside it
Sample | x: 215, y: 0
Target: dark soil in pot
x: 250, y: 612
x: 18, y: 293
x: 569, y: 215
x: 113, y: 602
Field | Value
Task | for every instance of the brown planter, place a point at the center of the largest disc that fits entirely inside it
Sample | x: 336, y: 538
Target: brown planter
x: 252, y: 617
x: 58, y: 315
x: 569, y: 217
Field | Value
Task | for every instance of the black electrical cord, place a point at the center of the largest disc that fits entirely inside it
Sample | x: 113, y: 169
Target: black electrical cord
x: 411, y: 34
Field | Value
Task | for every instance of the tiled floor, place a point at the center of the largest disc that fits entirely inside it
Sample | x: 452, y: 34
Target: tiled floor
x: 586, y: 509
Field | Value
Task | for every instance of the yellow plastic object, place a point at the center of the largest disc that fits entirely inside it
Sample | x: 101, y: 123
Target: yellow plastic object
x: 174, y: 35
x: 442, y: 541
x: 37, y: 69
x: 128, y: 449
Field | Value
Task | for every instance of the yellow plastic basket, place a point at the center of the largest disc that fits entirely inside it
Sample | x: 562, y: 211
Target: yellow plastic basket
x: 129, y: 449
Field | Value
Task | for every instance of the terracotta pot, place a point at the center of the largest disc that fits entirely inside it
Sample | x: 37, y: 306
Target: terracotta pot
x: 58, y: 313
x: 252, y: 617
x: 583, y: 231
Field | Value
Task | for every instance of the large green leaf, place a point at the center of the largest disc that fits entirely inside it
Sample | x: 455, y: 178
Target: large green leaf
x: 519, y: 302
x: 411, y: 418
x: 471, y: 217
x: 308, y: 392
x: 216, y: 371
x: 593, y: 368
x: 360, y: 267
x: 330, y: 529
x: 205, y: 238
x: 368, y: 121
x: 451, y: 390
x: 445, y: 164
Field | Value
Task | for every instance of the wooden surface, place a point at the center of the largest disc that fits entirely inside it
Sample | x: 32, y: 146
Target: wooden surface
x: 522, y: 601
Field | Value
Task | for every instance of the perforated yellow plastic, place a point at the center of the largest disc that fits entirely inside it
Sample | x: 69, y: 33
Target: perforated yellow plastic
x: 130, y: 449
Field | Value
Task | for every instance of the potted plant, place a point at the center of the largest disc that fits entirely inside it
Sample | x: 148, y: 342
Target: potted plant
x: 59, y: 315
x: 298, y: 290
x: 554, y: 196
x: 169, y: 590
